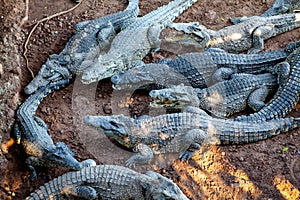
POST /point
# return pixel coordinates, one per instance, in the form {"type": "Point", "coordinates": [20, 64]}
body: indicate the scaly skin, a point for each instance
{"type": "Point", "coordinates": [277, 8]}
{"type": "Point", "coordinates": [281, 7]}
{"type": "Point", "coordinates": [108, 182]}
{"type": "Point", "coordinates": [31, 133]}
{"type": "Point", "coordinates": [198, 69]}
{"type": "Point", "coordinates": [287, 95]}
{"type": "Point", "coordinates": [91, 38]}
{"type": "Point", "coordinates": [221, 99]}
{"type": "Point", "coordinates": [182, 132]}
{"type": "Point", "coordinates": [135, 41]}
{"type": "Point", "coordinates": [246, 35]}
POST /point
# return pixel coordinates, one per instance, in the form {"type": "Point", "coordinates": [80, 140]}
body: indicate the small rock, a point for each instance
{"type": "Point", "coordinates": [107, 109]}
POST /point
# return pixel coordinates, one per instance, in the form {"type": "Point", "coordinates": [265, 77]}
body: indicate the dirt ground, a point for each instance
{"type": "Point", "coordinates": [268, 169]}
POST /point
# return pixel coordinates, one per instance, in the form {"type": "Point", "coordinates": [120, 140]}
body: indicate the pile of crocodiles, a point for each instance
{"type": "Point", "coordinates": [207, 86]}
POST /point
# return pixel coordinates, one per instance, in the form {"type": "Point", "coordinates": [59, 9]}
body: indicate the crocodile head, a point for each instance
{"type": "Point", "coordinates": [281, 7]}
{"type": "Point", "coordinates": [117, 127]}
{"type": "Point", "coordinates": [103, 68]}
{"type": "Point", "coordinates": [62, 156]}
{"type": "Point", "coordinates": [174, 97]}
{"type": "Point", "coordinates": [51, 71]}
{"type": "Point", "coordinates": [133, 78]}
{"type": "Point", "coordinates": [148, 74]}
{"type": "Point", "coordinates": [160, 187]}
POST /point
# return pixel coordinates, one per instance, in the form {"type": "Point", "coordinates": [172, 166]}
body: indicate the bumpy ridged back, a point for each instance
{"type": "Point", "coordinates": [109, 181]}
{"type": "Point", "coordinates": [285, 99]}
{"type": "Point", "coordinates": [33, 101]}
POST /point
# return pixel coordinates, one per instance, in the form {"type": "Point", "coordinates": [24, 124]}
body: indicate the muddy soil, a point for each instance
{"type": "Point", "coordinates": [268, 169]}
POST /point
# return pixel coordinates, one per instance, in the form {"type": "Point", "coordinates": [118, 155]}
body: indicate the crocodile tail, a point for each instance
{"type": "Point", "coordinates": [32, 102]}
{"type": "Point", "coordinates": [286, 22]}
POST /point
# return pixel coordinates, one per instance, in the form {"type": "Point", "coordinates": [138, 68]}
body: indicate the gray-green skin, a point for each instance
{"type": "Point", "coordinates": [182, 132]}
{"type": "Point", "coordinates": [248, 35]}
{"type": "Point", "coordinates": [287, 96]}
{"type": "Point", "coordinates": [221, 99]}
{"type": "Point", "coordinates": [277, 8]}
{"type": "Point", "coordinates": [108, 182]}
{"type": "Point", "coordinates": [92, 37]}
{"type": "Point", "coordinates": [31, 133]}
{"type": "Point", "coordinates": [135, 42]}
{"type": "Point", "coordinates": [281, 7]}
{"type": "Point", "coordinates": [199, 70]}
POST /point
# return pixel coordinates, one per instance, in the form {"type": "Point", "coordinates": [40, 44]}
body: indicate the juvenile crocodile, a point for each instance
{"type": "Point", "coordinates": [287, 95]}
{"type": "Point", "coordinates": [182, 132]}
{"type": "Point", "coordinates": [199, 69]}
{"type": "Point", "coordinates": [277, 8]}
{"type": "Point", "coordinates": [91, 38]}
{"type": "Point", "coordinates": [135, 41]}
{"type": "Point", "coordinates": [108, 182]}
{"type": "Point", "coordinates": [31, 132]}
{"type": "Point", "coordinates": [221, 99]}
{"type": "Point", "coordinates": [246, 35]}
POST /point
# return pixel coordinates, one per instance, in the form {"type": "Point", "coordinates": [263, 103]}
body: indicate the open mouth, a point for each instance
{"type": "Point", "coordinates": [163, 102]}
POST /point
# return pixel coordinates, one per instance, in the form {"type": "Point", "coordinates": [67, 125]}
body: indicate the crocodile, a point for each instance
{"type": "Point", "coordinates": [108, 182]}
{"type": "Point", "coordinates": [248, 35]}
{"type": "Point", "coordinates": [287, 96]}
{"type": "Point", "coordinates": [200, 69]}
{"type": "Point", "coordinates": [182, 133]}
{"type": "Point", "coordinates": [281, 7]}
{"type": "Point", "coordinates": [135, 42]}
{"type": "Point", "coordinates": [277, 8]}
{"type": "Point", "coordinates": [221, 99]}
{"type": "Point", "coordinates": [91, 38]}
{"type": "Point", "coordinates": [30, 132]}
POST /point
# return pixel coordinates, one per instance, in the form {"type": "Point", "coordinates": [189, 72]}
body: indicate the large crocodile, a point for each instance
{"type": "Point", "coordinates": [246, 35]}
{"type": "Point", "coordinates": [199, 69]}
{"type": "Point", "coordinates": [135, 41]}
{"type": "Point", "coordinates": [287, 95]}
{"type": "Point", "coordinates": [31, 132]}
{"type": "Point", "coordinates": [221, 99]}
{"type": "Point", "coordinates": [91, 38]}
{"type": "Point", "coordinates": [182, 132]}
{"type": "Point", "coordinates": [108, 182]}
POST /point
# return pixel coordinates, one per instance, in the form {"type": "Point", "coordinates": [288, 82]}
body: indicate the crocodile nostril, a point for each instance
{"type": "Point", "coordinates": [116, 78]}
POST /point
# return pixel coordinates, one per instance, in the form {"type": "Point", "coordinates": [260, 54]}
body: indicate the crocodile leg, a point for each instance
{"type": "Point", "coordinates": [193, 137]}
{"type": "Point", "coordinates": [258, 37]}
{"type": "Point", "coordinates": [30, 162]}
{"type": "Point", "coordinates": [144, 155]}
{"type": "Point", "coordinates": [153, 36]}
{"type": "Point", "coordinates": [40, 122]}
{"type": "Point", "coordinates": [107, 31]}
{"type": "Point", "coordinates": [257, 97]}
{"type": "Point", "coordinates": [282, 70]}
{"type": "Point", "coordinates": [81, 192]}
{"type": "Point", "coordinates": [222, 74]}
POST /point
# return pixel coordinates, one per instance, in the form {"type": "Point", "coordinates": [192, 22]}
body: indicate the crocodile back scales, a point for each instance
{"type": "Point", "coordinates": [227, 131]}
{"type": "Point", "coordinates": [286, 97]}
{"type": "Point", "coordinates": [110, 182]}
{"type": "Point", "coordinates": [199, 67]}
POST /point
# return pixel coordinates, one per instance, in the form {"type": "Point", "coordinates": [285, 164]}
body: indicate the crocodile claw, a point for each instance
{"type": "Point", "coordinates": [130, 163]}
